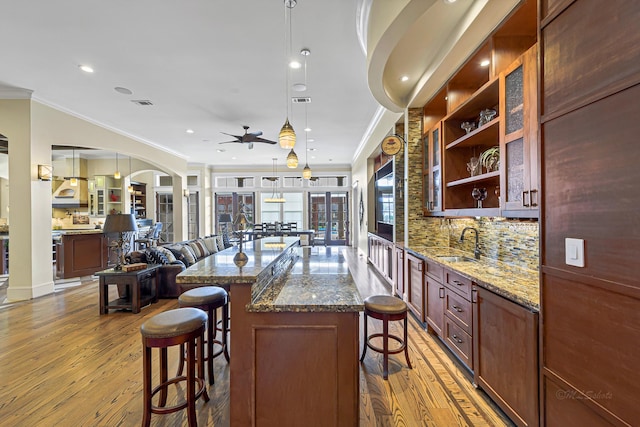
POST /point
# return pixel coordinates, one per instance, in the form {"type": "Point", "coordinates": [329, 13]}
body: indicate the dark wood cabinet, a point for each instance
{"type": "Point", "coordinates": [80, 255]}
{"type": "Point", "coordinates": [458, 317]}
{"type": "Point", "coordinates": [398, 272]}
{"type": "Point", "coordinates": [506, 355]}
{"type": "Point", "coordinates": [415, 286]}
{"type": "Point", "coordinates": [434, 295]}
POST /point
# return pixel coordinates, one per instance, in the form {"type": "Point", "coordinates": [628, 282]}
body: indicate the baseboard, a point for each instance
{"type": "Point", "coordinates": [22, 293]}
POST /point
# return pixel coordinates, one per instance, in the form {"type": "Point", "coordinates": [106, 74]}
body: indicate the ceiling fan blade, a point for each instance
{"type": "Point", "coordinates": [230, 142]}
{"type": "Point", "coordinates": [266, 141]}
{"type": "Point", "coordinates": [239, 137]}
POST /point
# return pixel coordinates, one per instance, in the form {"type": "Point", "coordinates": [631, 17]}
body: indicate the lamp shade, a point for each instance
{"type": "Point", "coordinates": [287, 136]}
{"type": "Point", "coordinates": [292, 160]}
{"type": "Point", "coordinates": [119, 223]}
{"type": "Point", "coordinates": [225, 217]}
{"type": "Point", "coordinates": [306, 172]}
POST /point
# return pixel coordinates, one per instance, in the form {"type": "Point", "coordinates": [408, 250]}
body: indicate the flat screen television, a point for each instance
{"type": "Point", "coordinates": [385, 201]}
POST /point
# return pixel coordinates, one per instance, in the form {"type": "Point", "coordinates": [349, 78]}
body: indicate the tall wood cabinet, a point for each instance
{"type": "Point", "coordinates": [139, 200]}
{"type": "Point", "coordinates": [590, 316]}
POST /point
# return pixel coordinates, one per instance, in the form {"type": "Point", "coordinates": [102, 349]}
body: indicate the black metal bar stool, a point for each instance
{"type": "Point", "coordinates": [174, 327]}
{"type": "Point", "coordinates": [209, 299]}
{"type": "Point", "coordinates": [387, 309]}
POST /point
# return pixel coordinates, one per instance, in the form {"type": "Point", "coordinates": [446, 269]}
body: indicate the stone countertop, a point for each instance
{"type": "Point", "coordinates": [517, 284]}
{"type": "Point", "coordinates": [70, 232]}
{"type": "Point", "coordinates": [219, 268]}
{"type": "Point", "coordinates": [319, 281]}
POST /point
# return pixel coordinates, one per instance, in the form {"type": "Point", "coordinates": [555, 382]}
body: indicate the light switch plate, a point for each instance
{"type": "Point", "coordinates": [574, 252]}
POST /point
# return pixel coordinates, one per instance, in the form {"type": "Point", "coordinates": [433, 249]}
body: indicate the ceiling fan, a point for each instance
{"type": "Point", "coordinates": [248, 138]}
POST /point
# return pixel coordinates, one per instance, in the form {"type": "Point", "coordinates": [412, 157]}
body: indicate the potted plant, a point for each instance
{"type": "Point", "coordinates": [490, 159]}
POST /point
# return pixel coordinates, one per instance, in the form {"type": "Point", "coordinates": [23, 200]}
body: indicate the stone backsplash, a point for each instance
{"type": "Point", "coordinates": [511, 241]}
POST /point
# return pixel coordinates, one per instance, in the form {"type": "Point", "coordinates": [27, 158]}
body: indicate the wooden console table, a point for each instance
{"type": "Point", "coordinates": [135, 288]}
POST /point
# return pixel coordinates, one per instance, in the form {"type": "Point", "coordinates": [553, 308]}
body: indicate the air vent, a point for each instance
{"type": "Point", "coordinates": [142, 101]}
{"type": "Point", "coordinates": [301, 100]}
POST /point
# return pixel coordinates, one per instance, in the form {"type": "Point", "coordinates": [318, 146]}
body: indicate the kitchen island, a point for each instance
{"type": "Point", "coordinates": [80, 252]}
{"type": "Point", "coordinates": [294, 345]}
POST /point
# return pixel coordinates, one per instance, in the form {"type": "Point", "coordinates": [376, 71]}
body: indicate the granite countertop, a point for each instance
{"type": "Point", "coordinates": [69, 232]}
{"type": "Point", "coordinates": [517, 284]}
{"type": "Point", "coordinates": [319, 281]}
{"type": "Point", "coordinates": [219, 268]}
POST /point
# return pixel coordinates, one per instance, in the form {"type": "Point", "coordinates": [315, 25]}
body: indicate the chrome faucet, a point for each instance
{"type": "Point", "coordinates": [476, 251]}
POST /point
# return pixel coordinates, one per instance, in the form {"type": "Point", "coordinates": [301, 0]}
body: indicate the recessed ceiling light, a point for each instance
{"type": "Point", "coordinates": [485, 63]}
{"type": "Point", "coordinates": [305, 51]}
{"type": "Point", "coordinates": [221, 150]}
{"type": "Point", "coordinates": [233, 158]}
{"type": "Point", "coordinates": [311, 149]}
{"type": "Point", "coordinates": [295, 64]}
{"type": "Point", "coordinates": [404, 78]}
{"type": "Point", "coordinates": [449, 1]}
{"type": "Point", "coordinates": [310, 140]}
{"type": "Point", "coordinates": [307, 129]}
{"type": "Point", "coordinates": [189, 130]}
{"type": "Point", "coordinates": [123, 90]}
{"type": "Point", "coordinates": [299, 87]}
{"type": "Point", "coordinates": [86, 68]}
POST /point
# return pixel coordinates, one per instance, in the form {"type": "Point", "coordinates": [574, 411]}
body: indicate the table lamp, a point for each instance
{"type": "Point", "coordinates": [123, 225]}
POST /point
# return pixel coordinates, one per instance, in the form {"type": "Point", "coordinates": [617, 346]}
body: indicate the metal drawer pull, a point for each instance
{"type": "Point", "coordinates": [457, 283]}
{"type": "Point", "coordinates": [455, 337]}
{"type": "Point", "coordinates": [525, 194]}
{"type": "Point", "coordinates": [458, 309]}
{"type": "Point", "coordinates": [441, 292]}
{"type": "Point", "coordinates": [531, 202]}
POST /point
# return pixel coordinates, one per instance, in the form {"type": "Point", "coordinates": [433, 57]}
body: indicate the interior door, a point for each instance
{"type": "Point", "coordinates": [329, 216]}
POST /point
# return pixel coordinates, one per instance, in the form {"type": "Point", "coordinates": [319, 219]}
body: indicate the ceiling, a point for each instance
{"type": "Point", "coordinates": [207, 65]}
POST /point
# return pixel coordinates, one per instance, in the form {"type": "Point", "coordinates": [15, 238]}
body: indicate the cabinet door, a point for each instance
{"type": "Point", "coordinates": [398, 276]}
{"type": "Point", "coordinates": [434, 304]}
{"type": "Point", "coordinates": [506, 355]}
{"type": "Point", "coordinates": [432, 170]}
{"type": "Point", "coordinates": [415, 286]}
{"type": "Point", "coordinates": [521, 136]}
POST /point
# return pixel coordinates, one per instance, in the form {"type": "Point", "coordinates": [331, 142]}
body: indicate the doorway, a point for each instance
{"type": "Point", "coordinates": [329, 216]}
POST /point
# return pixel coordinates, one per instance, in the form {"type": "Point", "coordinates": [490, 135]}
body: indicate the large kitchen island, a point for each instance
{"type": "Point", "coordinates": [294, 340]}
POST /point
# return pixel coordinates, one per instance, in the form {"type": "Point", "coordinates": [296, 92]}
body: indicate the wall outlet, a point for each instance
{"type": "Point", "coordinates": [574, 252]}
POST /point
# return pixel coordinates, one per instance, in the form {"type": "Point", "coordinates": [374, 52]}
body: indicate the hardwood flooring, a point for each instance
{"type": "Point", "coordinates": [63, 364]}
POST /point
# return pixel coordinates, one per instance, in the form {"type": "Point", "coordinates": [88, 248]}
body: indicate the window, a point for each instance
{"type": "Point", "coordinates": [289, 211]}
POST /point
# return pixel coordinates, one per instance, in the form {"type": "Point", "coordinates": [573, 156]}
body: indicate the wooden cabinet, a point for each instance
{"type": "Point", "coordinates": [106, 196]}
{"type": "Point", "coordinates": [81, 255]}
{"type": "Point", "coordinates": [432, 170]}
{"type": "Point", "coordinates": [434, 294]}
{"type": "Point", "coordinates": [381, 254]}
{"type": "Point", "coordinates": [398, 272]}
{"type": "Point", "coordinates": [458, 318]}
{"type": "Point", "coordinates": [139, 200]}
{"type": "Point", "coordinates": [506, 355]}
{"type": "Point", "coordinates": [415, 286]}
{"type": "Point", "coordinates": [520, 137]}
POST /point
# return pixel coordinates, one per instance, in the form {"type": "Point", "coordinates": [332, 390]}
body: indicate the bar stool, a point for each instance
{"type": "Point", "coordinates": [209, 299]}
{"type": "Point", "coordinates": [387, 309]}
{"type": "Point", "coordinates": [174, 327]}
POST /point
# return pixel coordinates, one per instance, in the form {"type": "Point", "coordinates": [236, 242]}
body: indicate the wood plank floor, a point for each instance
{"type": "Point", "coordinates": [63, 364]}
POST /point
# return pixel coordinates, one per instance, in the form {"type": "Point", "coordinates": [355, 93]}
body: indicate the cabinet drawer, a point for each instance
{"type": "Point", "coordinates": [458, 309]}
{"type": "Point", "coordinates": [458, 284]}
{"type": "Point", "coordinates": [459, 342]}
{"type": "Point", "coordinates": [433, 270]}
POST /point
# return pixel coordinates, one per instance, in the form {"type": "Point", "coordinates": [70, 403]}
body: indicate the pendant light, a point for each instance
{"type": "Point", "coordinates": [130, 187]}
{"type": "Point", "coordinates": [306, 172]}
{"type": "Point", "coordinates": [292, 160]}
{"type": "Point", "coordinates": [116, 174]}
{"type": "Point", "coordinates": [274, 197]}
{"type": "Point", "coordinates": [74, 180]}
{"type": "Point", "coordinates": [287, 136]}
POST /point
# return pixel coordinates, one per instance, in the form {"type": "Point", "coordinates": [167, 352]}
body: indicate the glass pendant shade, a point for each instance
{"type": "Point", "coordinates": [130, 188]}
{"type": "Point", "coordinates": [306, 172]}
{"type": "Point", "coordinates": [116, 174]}
{"type": "Point", "coordinates": [73, 181]}
{"type": "Point", "coordinates": [287, 137]}
{"type": "Point", "coordinates": [292, 159]}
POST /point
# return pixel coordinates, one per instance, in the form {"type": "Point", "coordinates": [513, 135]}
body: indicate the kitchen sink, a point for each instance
{"type": "Point", "coordinates": [457, 259]}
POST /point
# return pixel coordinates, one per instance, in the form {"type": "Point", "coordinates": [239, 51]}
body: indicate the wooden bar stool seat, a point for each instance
{"type": "Point", "coordinates": [209, 299]}
{"type": "Point", "coordinates": [174, 327]}
{"type": "Point", "coordinates": [387, 309]}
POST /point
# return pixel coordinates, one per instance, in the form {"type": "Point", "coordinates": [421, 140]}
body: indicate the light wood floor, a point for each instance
{"type": "Point", "coordinates": [62, 364]}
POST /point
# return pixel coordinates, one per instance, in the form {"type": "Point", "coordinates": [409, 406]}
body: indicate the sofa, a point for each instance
{"type": "Point", "coordinates": [176, 257]}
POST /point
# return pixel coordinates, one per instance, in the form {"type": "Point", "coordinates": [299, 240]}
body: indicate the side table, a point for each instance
{"type": "Point", "coordinates": [136, 288]}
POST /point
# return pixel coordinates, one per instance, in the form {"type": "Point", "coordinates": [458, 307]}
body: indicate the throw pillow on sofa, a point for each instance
{"type": "Point", "coordinates": [197, 252]}
{"type": "Point", "coordinates": [170, 256]}
{"type": "Point", "coordinates": [211, 244]}
{"type": "Point", "coordinates": [220, 243]}
{"type": "Point", "coordinates": [202, 246]}
{"type": "Point", "coordinates": [225, 240]}
{"type": "Point", "coordinates": [189, 256]}
{"type": "Point", "coordinates": [154, 256]}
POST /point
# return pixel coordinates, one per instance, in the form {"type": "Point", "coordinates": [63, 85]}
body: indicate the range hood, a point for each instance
{"type": "Point", "coordinates": [68, 196]}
